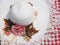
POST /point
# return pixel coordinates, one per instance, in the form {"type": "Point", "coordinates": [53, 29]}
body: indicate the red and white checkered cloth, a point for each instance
{"type": "Point", "coordinates": [53, 35]}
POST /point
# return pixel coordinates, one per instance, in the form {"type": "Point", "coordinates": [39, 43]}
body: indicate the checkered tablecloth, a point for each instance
{"type": "Point", "coordinates": [53, 35]}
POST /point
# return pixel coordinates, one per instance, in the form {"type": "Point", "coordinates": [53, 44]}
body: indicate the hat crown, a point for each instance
{"type": "Point", "coordinates": [22, 13]}
{"type": "Point", "coordinates": [22, 10]}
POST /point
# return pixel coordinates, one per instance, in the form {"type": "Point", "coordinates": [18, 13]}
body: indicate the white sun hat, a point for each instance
{"type": "Point", "coordinates": [22, 13]}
